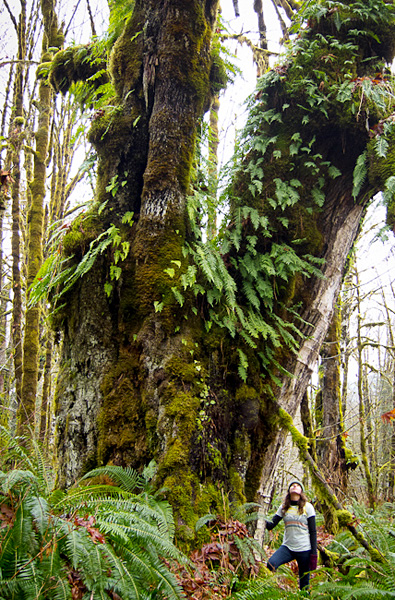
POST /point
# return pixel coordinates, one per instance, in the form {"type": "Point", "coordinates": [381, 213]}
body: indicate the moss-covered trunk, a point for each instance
{"type": "Point", "coordinates": [52, 38]}
{"type": "Point", "coordinates": [124, 393]}
{"type": "Point", "coordinates": [365, 454]}
{"type": "Point", "coordinates": [331, 445]}
{"type": "Point", "coordinates": [192, 376]}
{"type": "Point", "coordinates": [16, 141]}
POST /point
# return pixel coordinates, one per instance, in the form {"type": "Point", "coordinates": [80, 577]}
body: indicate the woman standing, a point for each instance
{"type": "Point", "coordinates": [300, 534]}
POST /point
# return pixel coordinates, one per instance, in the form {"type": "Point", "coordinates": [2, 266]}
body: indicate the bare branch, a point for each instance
{"type": "Point", "coordinates": [13, 19]}
{"type": "Point", "coordinates": [91, 18]}
{"type": "Point", "coordinates": [17, 61]}
{"type": "Point", "coordinates": [284, 28]}
{"type": "Point", "coordinates": [259, 55]}
{"type": "Point", "coordinates": [236, 8]}
{"type": "Point", "coordinates": [261, 25]}
{"type": "Point", "coordinates": [290, 8]}
{"type": "Point", "coordinates": [71, 18]}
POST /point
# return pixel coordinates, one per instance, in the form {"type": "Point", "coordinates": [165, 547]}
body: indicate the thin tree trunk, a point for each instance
{"type": "Point", "coordinates": [261, 25]}
{"type": "Point", "coordinates": [390, 492]}
{"type": "Point", "coordinates": [213, 167]}
{"type": "Point", "coordinates": [45, 411]}
{"type": "Point", "coordinates": [330, 446]}
{"type": "Point", "coordinates": [16, 138]}
{"type": "Point", "coordinates": [361, 400]}
{"type": "Point", "coordinates": [52, 38]}
{"type": "Point", "coordinates": [293, 389]}
{"type": "Point", "coordinates": [391, 471]}
{"type": "Point", "coordinates": [307, 422]}
{"type": "Point", "coordinates": [346, 518]}
{"type": "Point", "coordinates": [346, 350]}
{"type": "Point", "coordinates": [4, 198]}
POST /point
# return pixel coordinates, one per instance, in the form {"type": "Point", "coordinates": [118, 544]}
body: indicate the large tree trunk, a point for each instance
{"type": "Point", "coordinates": [111, 410]}
{"type": "Point", "coordinates": [144, 376]}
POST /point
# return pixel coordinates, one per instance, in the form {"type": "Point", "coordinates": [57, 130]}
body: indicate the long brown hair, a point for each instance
{"type": "Point", "coordinates": [301, 503]}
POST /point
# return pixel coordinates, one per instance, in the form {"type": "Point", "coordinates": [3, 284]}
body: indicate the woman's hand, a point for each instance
{"type": "Point", "coordinates": [313, 562]}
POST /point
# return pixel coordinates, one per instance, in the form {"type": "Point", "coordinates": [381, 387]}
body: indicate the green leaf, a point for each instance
{"type": "Point", "coordinates": [381, 146]}
{"type": "Point", "coordinates": [115, 272]}
{"type": "Point", "coordinates": [243, 365]}
{"type": "Point", "coordinates": [318, 196]}
{"type": "Point", "coordinates": [178, 296]}
{"type": "Point", "coordinates": [127, 218]}
{"type": "Point", "coordinates": [158, 306]}
{"type": "Point", "coordinates": [360, 174]}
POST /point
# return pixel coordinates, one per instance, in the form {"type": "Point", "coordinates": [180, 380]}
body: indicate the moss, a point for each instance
{"type": "Point", "coordinates": [180, 488]}
{"type": "Point", "coordinates": [237, 486]}
{"type": "Point", "coordinates": [329, 558]}
{"type": "Point", "coordinates": [215, 458]}
{"type": "Point", "coordinates": [84, 229]}
{"type": "Point", "coordinates": [376, 555]}
{"type": "Point", "coordinates": [177, 455]}
{"type": "Point", "coordinates": [344, 517]}
{"type": "Point", "coordinates": [125, 64]}
{"type": "Point", "coordinates": [191, 500]}
{"type": "Point", "coordinates": [121, 431]}
{"type": "Point", "coordinates": [182, 369]}
{"type": "Point", "coordinates": [298, 438]}
{"type": "Point", "coordinates": [352, 460]}
{"type": "Point", "coordinates": [245, 393]}
{"type": "Point", "coordinates": [77, 63]}
{"type": "Point", "coordinates": [152, 282]}
{"type": "Point", "coordinates": [183, 407]}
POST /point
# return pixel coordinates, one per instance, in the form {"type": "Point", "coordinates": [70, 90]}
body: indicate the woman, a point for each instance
{"type": "Point", "coordinates": [300, 534]}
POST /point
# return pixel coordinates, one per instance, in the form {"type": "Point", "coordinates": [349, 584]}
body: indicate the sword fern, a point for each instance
{"type": "Point", "coordinates": [93, 541]}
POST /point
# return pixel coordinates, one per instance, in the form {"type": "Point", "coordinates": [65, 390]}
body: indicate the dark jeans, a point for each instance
{"type": "Point", "coordinates": [284, 555]}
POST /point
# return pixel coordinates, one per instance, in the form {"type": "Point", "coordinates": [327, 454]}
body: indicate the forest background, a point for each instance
{"type": "Point", "coordinates": [349, 425]}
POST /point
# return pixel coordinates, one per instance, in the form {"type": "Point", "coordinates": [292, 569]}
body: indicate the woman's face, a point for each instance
{"type": "Point", "coordinates": [295, 489]}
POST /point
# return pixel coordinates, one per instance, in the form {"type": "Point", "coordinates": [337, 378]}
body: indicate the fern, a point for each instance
{"type": "Point", "coordinates": [48, 541]}
{"type": "Point", "coordinates": [360, 174]}
{"type": "Point", "coordinates": [128, 479]}
{"type": "Point", "coordinates": [362, 577]}
{"type": "Point", "coordinates": [389, 190]}
{"type": "Point", "coordinates": [243, 365]}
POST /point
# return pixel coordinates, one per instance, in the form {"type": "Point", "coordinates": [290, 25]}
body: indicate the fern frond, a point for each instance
{"type": "Point", "coordinates": [360, 174]}
{"type": "Point", "coordinates": [204, 520]}
{"type": "Point", "coordinates": [39, 509]}
{"type": "Point", "coordinates": [12, 479]}
{"type": "Point", "coordinates": [126, 478]}
{"type": "Point", "coordinates": [389, 190]}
